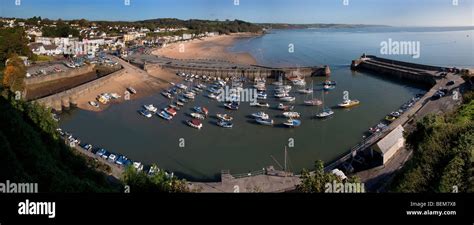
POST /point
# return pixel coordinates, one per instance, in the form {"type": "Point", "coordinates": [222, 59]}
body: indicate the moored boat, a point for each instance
{"type": "Point", "coordinates": [195, 123]}
{"type": "Point", "coordinates": [166, 94]}
{"type": "Point", "coordinates": [291, 114]}
{"type": "Point", "coordinates": [305, 91]}
{"type": "Point", "coordinates": [348, 103]}
{"type": "Point", "coordinates": [328, 87]}
{"type": "Point", "coordinates": [224, 117]}
{"type": "Point", "coordinates": [170, 111]}
{"type": "Point", "coordinates": [283, 107]}
{"type": "Point", "coordinates": [232, 105]}
{"type": "Point", "coordinates": [267, 122]}
{"type": "Point", "coordinates": [150, 108]}
{"type": "Point", "coordinates": [225, 124]}
{"type": "Point", "coordinates": [260, 115]}
{"type": "Point", "coordinates": [288, 99]}
{"type": "Point", "coordinates": [145, 113]}
{"type": "Point", "coordinates": [197, 116]}
{"type": "Point", "coordinates": [313, 102]}
{"type": "Point", "coordinates": [165, 115]}
{"type": "Point", "coordinates": [94, 104]}
{"type": "Point", "coordinates": [327, 112]}
{"type": "Point", "coordinates": [292, 123]}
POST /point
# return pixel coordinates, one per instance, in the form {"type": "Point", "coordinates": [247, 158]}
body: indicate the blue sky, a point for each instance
{"type": "Point", "coordinates": [386, 12]}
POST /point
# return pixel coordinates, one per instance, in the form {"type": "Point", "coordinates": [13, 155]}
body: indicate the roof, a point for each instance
{"type": "Point", "coordinates": [35, 45]}
{"type": "Point", "coordinates": [390, 139]}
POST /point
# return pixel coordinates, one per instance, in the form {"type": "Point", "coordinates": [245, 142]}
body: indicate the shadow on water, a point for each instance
{"type": "Point", "coordinates": [393, 79]}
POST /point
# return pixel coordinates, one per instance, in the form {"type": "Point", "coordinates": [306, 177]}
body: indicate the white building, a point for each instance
{"type": "Point", "coordinates": [390, 144]}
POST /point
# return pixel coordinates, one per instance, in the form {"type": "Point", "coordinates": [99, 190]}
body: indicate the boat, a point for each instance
{"type": "Point", "coordinates": [277, 83]}
{"type": "Point", "coordinates": [390, 118]}
{"type": "Point", "coordinates": [212, 96]}
{"type": "Point", "coordinates": [313, 102]}
{"type": "Point", "coordinates": [232, 105]}
{"type": "Point", "coordinates": [197, 116]}
{"type": "Point", "coordinates": [115, 95]}
{"type": "Point", "coordinates": [291, 114]}
{"type": "Point", "coordinates": [328, 87]}
{"type": "Point", "coordinates": [292, 123]}
{"type": "Point", "coordinates": [95, 104]}
{"type": "Point", "coordinates": [131, 90]}
{"type": "Point", "coordinates": [261, 95]}
{"type": "Point", "coordinates": [325, 113]}
{"type": "Point", "coordinates": [195, 123]}
{"type": "Point", "coordinates": [281, 94]}
{"type": "Point", "coordinates": [348, 103]}
{"type": "Point", "coordinates": [224, 117]}
{"type": "Point", "coordinates": [261, 115]}
{"type": "Point", "coordinates": [305, 91]}
{"type": "Point", "coordinates": [165, 115]}
{"type": "Point", "coordinates": [259, 104]}
{"type": "Point", "coordinates": [180, 103]}
{"type": "Point", "coordinates": [299, 82]}
{"type": "Point", "coordinates": [166, 94]}
{"type": "Point", "coordinates": [170, 111]}
{"type": "Point", "coordinates": [182, 86]}
{"type": "Point", "coordinates": [174, 107]}
{"type": "Point", "coordinates": [189, 95]}
{"type": "Point", "coordinates": [202, 110]}
{"type": "Point", "coordinates": [150, 108]}
{"type": "Point", "coordinates": [283, 107]}
{"type": "Point", "coordinates": [395, 114]}
{"type": "Point", "coordinates": [379, 127]}
{"type": "Point", "coordinates": [225, 124]}
{"type": "Point", "coordinates": [329, 82]}
{"type": "Point", "coordinates": [267, 122]}
{"type": "Point", "coordinates": [288, 99]}
{"type": "Point", "coordinates": [145, 113]}
{"type": "Point", "coordinates": [283, 88]}
{"type": "Point", "coordinates": [182, 99]}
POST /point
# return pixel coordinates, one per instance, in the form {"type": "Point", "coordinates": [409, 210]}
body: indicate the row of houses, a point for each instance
{"type": "Point", "coordinates": [72, 45]}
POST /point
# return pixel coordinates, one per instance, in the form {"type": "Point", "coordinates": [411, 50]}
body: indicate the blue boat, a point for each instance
{"type": "Point", "coordinates": [232, 105]}
{"type": "Point", "coordinates": [165, 115]}
{"type": "Point", "coordinates": [145, 113]}
{"type": "Point", "coordinates": [328, 87]}
{"type": "Point", "coordinates": [292, 123]}
{"type": "Point", "coordinates": [121, 160]}
{"type": "Point", "coordinates": [101, 152]}
{"type": "Point", "coordinates": [224, 124]}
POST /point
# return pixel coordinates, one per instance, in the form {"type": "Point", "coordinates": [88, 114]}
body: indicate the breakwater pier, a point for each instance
{"type": "Point", "coordinates": [222, 68]}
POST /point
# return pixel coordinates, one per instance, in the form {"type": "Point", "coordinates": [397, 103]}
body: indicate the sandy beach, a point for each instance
{"type": "Point", "coordinates": [153, 81]}
{"type": "Point", "coordinates": [208, 48]}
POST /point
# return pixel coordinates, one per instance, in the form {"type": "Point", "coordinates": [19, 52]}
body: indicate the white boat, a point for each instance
{"type": "Point", "coordinates": [180, 103]}
{"type": "Point", "coordinates": [348, 103]}
{"type": "Point", "coordinates": [166, 94]}
{"type": "Point", "coordinates": [197, 116]}
{"type": "Point", "coordinates": [291, 114]}
{"type": "Point", "coordinates": [115, 96]}
{"type": "Point", "coordinates": [224, 117]}
{"type": "Point", "coordinates": [212, 96]}
{"type": "Point", "coordinates": [224, 124]}
{"type": "Point", "coordinates": [325, 113]}
{"type": "Point", "coordinates": [95, 104]}
{"type": "Point", "coordinates": [267, 122]}
{"type": "Point", "coordinates": [182, 86]}
{"type": "Point", "coordinates": [260, 115]}
{"type": "Point", "coordinates": [313, 102]}
{"type": "Point", "coordinates": [281, 94]}
{"type": "Point", "coordinates": [305, 91]}
{"type": "Point", "coordinates": [283, 107]}
{"type": "Point", "coordinates": [150, 108]}
{"type": "Point", "coordinates": [288, 99]}
{"type": "Point", "coordinates": [292, 123]}
{"type": "Point", "coordinates": [145, 113]}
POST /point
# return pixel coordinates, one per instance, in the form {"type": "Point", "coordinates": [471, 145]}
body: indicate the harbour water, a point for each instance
{"type": "Point", "coordinates": [249, 146]}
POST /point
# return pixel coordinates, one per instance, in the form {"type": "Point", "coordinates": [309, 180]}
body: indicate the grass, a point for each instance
{"type": "Point", "coordinates": [44, 58]}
